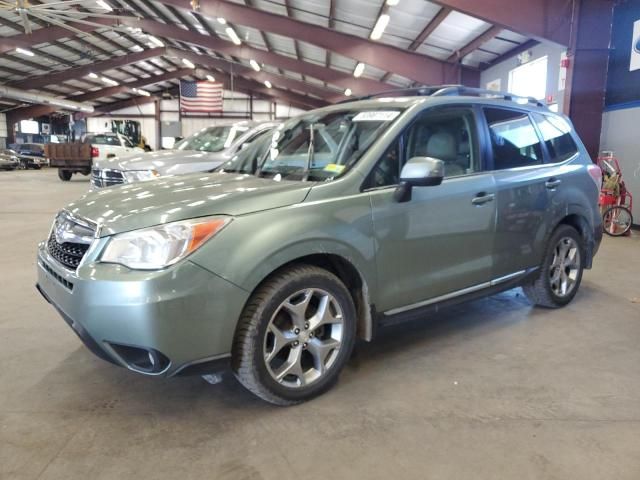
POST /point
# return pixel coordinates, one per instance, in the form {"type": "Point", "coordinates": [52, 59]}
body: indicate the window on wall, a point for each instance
{"type": "Point", "coordinates": [530, 79]}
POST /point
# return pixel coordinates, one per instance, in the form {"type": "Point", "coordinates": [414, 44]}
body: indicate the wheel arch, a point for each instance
{"type": "Point", "coordinates": [578, 220]}
{"type": "Point", "coordinates": [347, 272]}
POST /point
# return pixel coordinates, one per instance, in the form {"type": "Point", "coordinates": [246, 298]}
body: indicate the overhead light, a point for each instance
{"type": "Point", "coordinates": [155, 41]}
{"type": "Point", "coordinates": [254, 65]}
{"type": "Point", "coordinates": [381, 24]}
{"type": "Point", "coordinates": [393, 3]}
{"type": "Point", "coordinates": [104, 5]}
{"type": "Point", "coordinates": [358, 71]}
{"type": "Point", "coordinates": [348, 92]}
{"type": "Point", "coordinates": [92, 75]}
{"type": "Point", "coordinates": [233, 35]}
{"type": "Point", "coordinates": [23, 51]}
{"type": "Point", "coordinates": [188, 63]}
{"type": "Point", "coordinates": [267, 84]}
{"type": "Point", "coordinates": [211, 78]}
{"type": "Point", "coordinates": [109, 81]}
{"type": "Point", "coordinates": [142, 92]}
{"type": "Point", "coordinates": [222, 21]}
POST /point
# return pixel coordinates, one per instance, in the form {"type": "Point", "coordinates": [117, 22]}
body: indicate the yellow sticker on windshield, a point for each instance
{"type": "Point", "coordinates": [334, 168]}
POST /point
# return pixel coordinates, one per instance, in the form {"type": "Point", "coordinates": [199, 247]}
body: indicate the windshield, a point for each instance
{"type": "Point", "coordinates": [213, 139]}
{"type": "Point", "coordinates": [324, 146]}
{"type": "Point", "coordinates": [249, 158]}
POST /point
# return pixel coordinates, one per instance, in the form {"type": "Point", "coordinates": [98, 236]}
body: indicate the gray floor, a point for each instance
{"type": "Point", "coordinates": [491, 390]}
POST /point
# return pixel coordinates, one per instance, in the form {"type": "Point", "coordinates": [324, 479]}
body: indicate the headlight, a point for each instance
{"type": "Point", "coordinates": [140, 175]}
{"type": "Point", "coordinates": [161, 246]}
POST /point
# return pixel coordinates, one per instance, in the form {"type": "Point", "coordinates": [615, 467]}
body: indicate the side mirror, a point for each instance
{"type": "Point", "coordinates": [419, 172]}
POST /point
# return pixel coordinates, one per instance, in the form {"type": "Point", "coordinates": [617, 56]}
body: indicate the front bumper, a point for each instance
{"type": "Point", "coordinates": [35, 161]}
{"type": "Point", "coordinates": [167, 322]}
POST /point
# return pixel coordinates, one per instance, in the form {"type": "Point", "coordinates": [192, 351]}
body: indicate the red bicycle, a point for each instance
{"type": "Point", "coordinates": [616, 202]}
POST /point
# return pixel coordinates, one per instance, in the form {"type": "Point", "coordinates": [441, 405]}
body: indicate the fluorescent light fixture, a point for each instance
{"type": "Point", "coordinates": [233, 35]}
{"type": "Point", "coordinates": [142, 92]}
{"type": "Point", "coordinates": [254, 65]}
{"type": "Point", "coordinates": [104, 5]}
{"type": "Point", "coordinates": [109, 81]}
{"type": "Point", "coordinates": [188, 63]}
{"type": "Point", "coordinates": [348, 92]}
{"type": "Point", "coordinates": [222, 21]}
{"type": "Point", "coordinates": [267, 84]}
{"type": "Point", "coordinates": [26, 52]}
{"type": "Point", "coordinates": [381, 24]}
{"type": "Point", "coordinates": [393, 3]}
{"type": "Point", "coordinates": [211, 78]}
{"type": "Point", "coordinates": [358, 71]}
{"type": "Point", "coordinates": [92, 75]}
{"type": "Point", "coordinates": [155, 41]}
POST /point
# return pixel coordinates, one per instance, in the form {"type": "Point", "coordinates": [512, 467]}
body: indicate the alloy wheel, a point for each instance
{"type": "Point", "coordinates": [303, 338]}
{"type": "Point", "coordinates": [565, 267]}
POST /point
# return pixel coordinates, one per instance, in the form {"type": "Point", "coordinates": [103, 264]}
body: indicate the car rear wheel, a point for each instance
{"type": "Point", "coordinates": [64, 175]}
{"type": "Point", "coordinates": [561, 270]}
{"type": "Point", "coordinates": [295, 335]}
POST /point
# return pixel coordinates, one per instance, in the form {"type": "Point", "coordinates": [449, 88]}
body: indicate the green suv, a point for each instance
{"type": "Point", "coordinates": [348, 218]}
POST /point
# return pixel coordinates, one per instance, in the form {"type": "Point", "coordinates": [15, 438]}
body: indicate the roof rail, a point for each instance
{"type": "Point", "coordinates": [448, 90]}
{"type": "Point", "coordinates": [469, 91]}
{"type": "Point", "coordinates": [424, 91]}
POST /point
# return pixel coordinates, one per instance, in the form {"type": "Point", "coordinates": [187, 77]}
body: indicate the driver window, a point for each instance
{"type": "Point", "coordinates": [448, 136]}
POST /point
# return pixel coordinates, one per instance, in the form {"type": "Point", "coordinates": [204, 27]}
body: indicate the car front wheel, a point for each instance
{"type": "Point", "coordinates": [295, 335]}
{"type": "Point", "coordinates": [561, 270]}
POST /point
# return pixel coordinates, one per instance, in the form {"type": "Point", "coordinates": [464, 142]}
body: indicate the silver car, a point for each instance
{"type": "Point", "coordinates": [201, 152]}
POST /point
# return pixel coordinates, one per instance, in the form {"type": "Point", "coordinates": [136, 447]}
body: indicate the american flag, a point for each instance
{"type": "Point", "coordinates": [200, 96]}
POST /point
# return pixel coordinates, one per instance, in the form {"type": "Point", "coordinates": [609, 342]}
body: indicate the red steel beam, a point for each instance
{"type": "Point", "coordinates": [539, 19]}
{"type": "Point", "coordinates": [38, 110]}
{"type": "Point", "coordinates": [475, 44]}
{"type": "Point", "coordinates": [415, 66]}
{"type": "Point", "coordinates": [47, 35]}
{"type": "Point", "coordinates": [79, 72]}
{"type": "Point", "coordinates": [359, 86]}
{"type": "Point", "coordinates": [248, 72]}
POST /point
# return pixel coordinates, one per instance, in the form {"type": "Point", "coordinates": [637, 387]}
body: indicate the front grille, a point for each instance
{"type": "Point", "coordinates": [68, 254]}
{"type": "Point", "coordinates": [106, 178]}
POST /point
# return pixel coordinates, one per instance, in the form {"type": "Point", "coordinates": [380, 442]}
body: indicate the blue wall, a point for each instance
{"type": "Point", "coordinates": [623, 85]}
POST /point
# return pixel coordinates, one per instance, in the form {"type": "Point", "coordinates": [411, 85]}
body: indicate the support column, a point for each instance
{"type": "Point", "coordinates": [158, 125]}
{"type": "Point", "coordinates": [587, 73]}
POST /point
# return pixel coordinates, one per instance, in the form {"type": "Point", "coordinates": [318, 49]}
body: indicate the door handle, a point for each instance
{"type": "Point", "coordinates": [552, 183]}
{"type": "Point", "coordinates": [483, 198]}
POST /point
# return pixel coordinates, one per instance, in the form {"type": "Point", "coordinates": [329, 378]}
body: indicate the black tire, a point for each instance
{"type": "Point", "coordinates": [609, 220]}
{"type": "Point", "coordinates": [64, 175]}
{"type": "Point", "coordinates": [540, 291]}
{"type": "Point", "coordinates": [248, 352]}
{"type": "Point", "coordinates": [37, 167]}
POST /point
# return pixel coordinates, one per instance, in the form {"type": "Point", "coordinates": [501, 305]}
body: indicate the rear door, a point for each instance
{"type": "Point", "coordinates": [441, 241]}
{"type": "Point", "coordinates": [526, 184]}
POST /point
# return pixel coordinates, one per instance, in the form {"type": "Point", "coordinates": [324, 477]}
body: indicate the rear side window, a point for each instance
{"type": "Point", "coordinates": [514, 139]}
{"type": "Point", "coordinates": [556, 133]}
{"type": "Point", "coordinates": [103, 140]}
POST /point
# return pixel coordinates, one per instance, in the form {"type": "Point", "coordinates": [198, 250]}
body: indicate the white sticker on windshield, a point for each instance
{"type": "Point", "coordinates": [376, 116]}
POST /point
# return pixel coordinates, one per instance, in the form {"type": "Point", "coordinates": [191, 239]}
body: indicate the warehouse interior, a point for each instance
{"type": "Point", "coordinates": [495, 387]}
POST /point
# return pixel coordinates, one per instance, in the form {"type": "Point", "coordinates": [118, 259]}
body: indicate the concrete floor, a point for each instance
{"type": "Point", "coordinates": [490, 390]}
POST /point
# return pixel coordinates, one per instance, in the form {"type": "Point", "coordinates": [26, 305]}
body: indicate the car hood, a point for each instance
{"type": "Point", "coordinates": [166, 162]}
{"type": "Point", "coordinates": [145, 204]}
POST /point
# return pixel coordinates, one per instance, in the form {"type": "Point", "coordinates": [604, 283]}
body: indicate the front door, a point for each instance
{"type": "Point", "coordinates": [441, 241]}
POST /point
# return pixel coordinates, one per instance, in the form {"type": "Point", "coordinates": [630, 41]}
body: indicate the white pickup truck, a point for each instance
{"type": "Point", "coordinates": [78, 157]}
{"type": "Point", "coordinates": [109, 145]}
